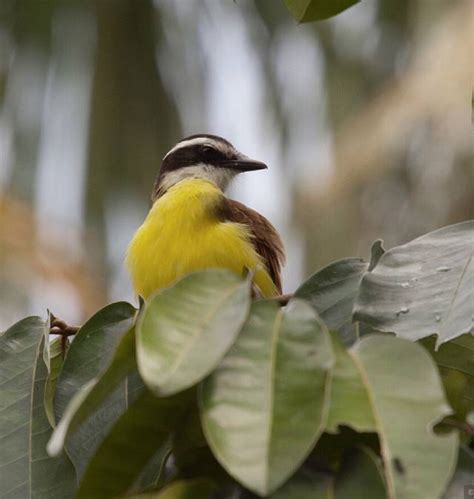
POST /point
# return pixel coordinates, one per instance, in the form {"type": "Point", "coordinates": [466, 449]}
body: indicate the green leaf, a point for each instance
{"type": "Point", "coordinates": [183, 489]}
{"type": "Point", "coordinates": [316, 10]}
{"type": "Point", "coordinates": [155, 474]}
{"type": "Point", "coordinates": [407, 400]}
{"type": "Point", "coordinates": [55, 359]}
{"type": "Point", "coordinates": [130, 444]}
{"type": "Point", "coordinates": [332, 292]}
{"type": "Point", "coordinates": [185, 330]}
{"type": "Point", "coordinates": [264, 407]}
{"type": "Point", "coordinates": [402, 402]}
{"type": "Point", "coordinates": [422, 288]}
{"type": "Point", "coordinates": [89, 355]}
{"type": "Point", "coordinates": [360, 472]}
{"type": "Point", "coordinates": [455, 361]}
{"type": "Point", "coordinates": [87, 400]}
{"type": "Point", "coordinates": [349, 395]}
{"type": "Point", "coordinates": [306, 484]}
{"type": "Point", "coordinates": [25, 469]}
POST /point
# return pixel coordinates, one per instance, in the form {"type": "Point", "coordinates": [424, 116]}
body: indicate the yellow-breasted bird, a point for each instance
{"type": "Point", "coordinates": [193, 226]}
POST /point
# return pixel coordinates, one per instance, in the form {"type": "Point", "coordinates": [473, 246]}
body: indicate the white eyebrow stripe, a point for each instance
{"type": "Point", "coordinates": [192, 142]}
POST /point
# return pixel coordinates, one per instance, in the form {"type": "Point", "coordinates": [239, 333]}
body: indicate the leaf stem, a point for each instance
{"type": "Point", "coordinates": [284, 299]}
{"type": "Point", "coordinates": [61, 328]}
{"type": "Point", "coordinates": [460, 425]}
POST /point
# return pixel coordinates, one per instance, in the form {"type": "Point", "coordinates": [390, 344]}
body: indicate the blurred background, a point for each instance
{"type": "Point", "coordinates": [364, 119]}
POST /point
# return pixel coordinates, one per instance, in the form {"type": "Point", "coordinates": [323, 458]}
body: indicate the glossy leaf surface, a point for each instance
{"type": "Point", "coordinates": [87, 400]}
{"type": "Point", "coordinates": [25, 469]}
{"type": "Point", "coordinates": [424, 287]}
{"type": "Point", "coordinates": [265, 405]}
{"type": "Point", "coordinates": [350, 401]}
{"type": "Point", "coordinates": [184, 331]}
{"type": "Point", "coordinates": [332, 291]}
{"type": "Point", "coordinates": [88, 356]}
{"type": "Point", "coordinates": [55, 359]}
{"type": "Point", "coordinates": [131, 443]}
{"type": "Point", "coordinates": [406, 398]}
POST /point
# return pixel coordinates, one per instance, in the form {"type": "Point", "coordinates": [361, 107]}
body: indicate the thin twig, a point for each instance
{"type": "Point", "coordinates": [61, 328]}
{"type": "Point", "coordinates": [281, 299]}
{"type": "Point", "coordinates": [68, 331]}
{"type": "Point", "coordinates": [64, 345]}
{"type": "Point", "coordinates": [284, 299]}
{"type": "Point", "coordinates": [460, 425]}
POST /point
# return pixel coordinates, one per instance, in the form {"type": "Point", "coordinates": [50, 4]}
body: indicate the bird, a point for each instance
{"type": "Point", "coordinates": [192, 225]}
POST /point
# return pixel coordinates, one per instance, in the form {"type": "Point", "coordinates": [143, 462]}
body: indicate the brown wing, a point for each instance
{"type": "Point", "coordinates": [265, 237]}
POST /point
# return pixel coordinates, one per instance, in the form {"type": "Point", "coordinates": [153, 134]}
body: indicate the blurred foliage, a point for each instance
{"type": "Point", "coordinates": [365, 118]}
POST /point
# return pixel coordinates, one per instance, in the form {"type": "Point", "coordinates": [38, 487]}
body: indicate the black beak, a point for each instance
{"type": "Point", "coordinates": [243, 165]}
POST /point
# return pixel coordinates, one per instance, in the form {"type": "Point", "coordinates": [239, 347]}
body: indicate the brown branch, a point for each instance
{"type": "Point", "coordinates": [280, 299]}
{"type": "Point", "coordinates": [67, 331]}
{"type": "Point", "coordinates": [460, 425]}
{"type": "Point", "coordinates": [61, 328]}
{"type": "Point", "coordinates": [284, 299]}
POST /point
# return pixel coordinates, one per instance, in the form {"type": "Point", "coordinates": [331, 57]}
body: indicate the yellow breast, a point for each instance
{"type": "Point", "coordinates": [183, 234]}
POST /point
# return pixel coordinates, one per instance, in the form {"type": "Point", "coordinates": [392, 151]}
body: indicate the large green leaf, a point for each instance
{"type": "Point", "coordinates": [332, 292]}
{"type": "Point", "coordinates": [315, 10]}
{"type": "Point", "coordinates": [54, 358]}
{"type": "Point", "coordinates": [455, 361]}
{"type": "Point", "coordinates": [130, 444]}
{"type": "Point", "coordinates": [264, 407]}
{"type": "Point", "coordinates": [25, 469]}
{"type": "Point", "coordinates": [306, 484]}
{"type": "Point", "coordinates": [360, 472]}
{"type": "Point", "coordinates": [390, 386]}
{"type": "Point", "coordinates": [406, 399]}
{"type": "Point", "coordinates": [89, 355]}
{"type": "Point", "coordinates": [349, 395]}
{"type": "Point", "coordinates": [359, 477]}
{"type": "Point", "coordinates": [157, 470]}
{"type": "Point", "coordinates": [424, 287]}
{"type": "Point", "coordinates": [185, 330]}
{"type": "Point", "coordinates": [88, 399]}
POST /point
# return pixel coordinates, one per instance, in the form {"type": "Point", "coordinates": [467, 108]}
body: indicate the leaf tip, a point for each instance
{"type": "Point", "coordinates": [376, 252]}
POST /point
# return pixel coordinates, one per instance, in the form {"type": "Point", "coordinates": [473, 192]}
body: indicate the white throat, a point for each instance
{"type": "Point", "coordinates": [219, 176]}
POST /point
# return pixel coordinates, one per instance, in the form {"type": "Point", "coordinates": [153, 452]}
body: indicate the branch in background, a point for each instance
{"type": "Point", "coordinates": [21, 249]}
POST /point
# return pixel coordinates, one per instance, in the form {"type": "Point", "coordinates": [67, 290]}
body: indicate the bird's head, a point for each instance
{"type": "Point", "coordinates": [202, 156]}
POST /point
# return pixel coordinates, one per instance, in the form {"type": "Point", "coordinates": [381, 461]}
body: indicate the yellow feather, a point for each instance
{"type": "Point", "coordinates": [182, 234]}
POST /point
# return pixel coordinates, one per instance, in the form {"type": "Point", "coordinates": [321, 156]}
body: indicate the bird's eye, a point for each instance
{"type": "Point", "coordinates": [207, 150]}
